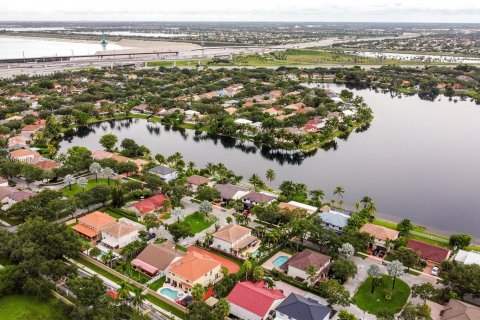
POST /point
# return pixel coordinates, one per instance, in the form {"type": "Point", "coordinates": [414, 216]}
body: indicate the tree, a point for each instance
{"type": "Point", "coordinates": [376, 274]}
{"type": "Point", "coordinates": [255, 180]}
{"type": "Point", "coordinates": [258, 274]}
{"type": "Point", "coordinates": [87, 289]}
{"type": "Point", "coordinates": [415, 312]}
{"type": "Point", "coordinates": [31, 173]}
{"type": "Point", "coordinates": [82, 182]}
{"type": "Point", "coordinates": [151, 221]}
{"type": "Point", "coordinates": [424, 291]}
{"type": "Point", "coordinates": [461, 240]}
{"type": "Point", "coordinates": [395, 269]}
{"type": "Point", "coordinates": [160, 158]}
{"type": "Point", "coordinates": [346, 250]}
{"type": "Point", "coordinates": [311, 271]}
{"type": "Point", "coordinates": [138, 297]}
{"type": "Point", "coordinates": [123, 293]}
{"type": "Point", "coordinates": [247, 266]}
{"type": "Point", "coordinates": [117, 197]}
{"type": "Point", "coordinates": [95, 168]}
{"type": "Point", "coordinates": [270, 175]}
{"type": "Point", "coordinates": [334, 293]}
{"type": "Point", "coordinates": [344, 269]}
{"type": "Point", "coordinates": [199, 310]}
{"type": "Point", "coordinates": [109, 173]}
{"type": "Point", "coordinates": [198, 291]}
{"type": "Point", "coordinates": [345, 315]}
{"type": "Point", "coordinates": [94, 252]}
{"type": "Point", "coordinates": [69, 179]}
{"type": "Point", "coordinates": [406, 256]}
{"type": "Point", "coordinates": [205, 207]}
{"type": "Point", "coordinates": [205, 192]}
{"type": "Point", "coordinates": [78, 159]}
{"type": "Point", "coordinates": [179, 231]}
{"type": "Point", "coordinates": [152, 181]}
{"type": "Point", "coordinates": [404, 227]}
{"type": "Point", "coordinates": [108, 141]}
{"type": "Point", "coordinates": [222, 309]}
{"type": "Point", "coordinates": [462, 278]}
{"type": "Point", "coordinates": [339, 191]}
{"type": "Point", "coordinates": [316, 197]}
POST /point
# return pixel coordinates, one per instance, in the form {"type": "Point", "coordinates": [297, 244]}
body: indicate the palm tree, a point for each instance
{"type": "Point", "coordinates": [123, 292]}
{"type": "Point", "coordinates": [82, 182]}
{"type": "Point", "coordinates": [365, 200]}
{"type": "Point", "coordinates": [138, 297]}
{"type": "Point", "coordinates": [374, 272]}
{"type": "Point", "coordinates": [255, 180]}
{"type": "Point", "coordinates": [69, 179]}
{"type": "Point", "coordinates": [95, 168]}
{"type": "Point", "coordinates": [108, 257]}
{"type": "Point", "coordinates": [247, 266]}
{"type": "Point", "coordinates": [270, 175]}
{"type": "Point", "coordinates": [269, 283]}
{"type": "Point", "coordinates": [311, 272]}
{"type": "Point", "coordinates": [317, 197]}
{"type": "Point", "coordinates": [339, 191]}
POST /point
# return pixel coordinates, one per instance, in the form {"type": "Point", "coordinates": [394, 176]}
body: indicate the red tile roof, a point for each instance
{"type": "Point", "coordinates": [428, 251]}
{"type": "Point", "coordinates": [254, 297]}
{"type": "Point", "coordinates": [47, 164]}
{"type": "Point", "coordinates": [150, 204]}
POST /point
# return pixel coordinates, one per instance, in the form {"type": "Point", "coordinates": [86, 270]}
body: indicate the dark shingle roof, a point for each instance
{"type": "Point", "coordinates": [162, 170]}
{"type": "Point", "coordinates": [301, 308]}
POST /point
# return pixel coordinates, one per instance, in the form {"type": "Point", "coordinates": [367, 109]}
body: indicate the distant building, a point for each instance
{"type": "Point", "coordinates": [91, 225]}
{"type": "Point", "coordinates": [467, 257]}
{"type": "Point", "coordinates": [164, 172]}
{"type": "Point", "coordinates": [334, 220]}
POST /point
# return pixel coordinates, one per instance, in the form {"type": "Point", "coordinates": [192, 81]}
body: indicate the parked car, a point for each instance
{"type": "Point", "coordinates": [151, 236]}
{"type": "Point", "coordinates": [435, 271]}
{"type": "Point", "coordinates": [184, 301]}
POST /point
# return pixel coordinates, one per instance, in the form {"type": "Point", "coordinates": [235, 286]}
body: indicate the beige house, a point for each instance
{"type": "Point", "coordinates": [235, 239]}
{"type": "Point", "coordinates": [119, 235]}
{"type": "Point", "coordinates": [380, 235]}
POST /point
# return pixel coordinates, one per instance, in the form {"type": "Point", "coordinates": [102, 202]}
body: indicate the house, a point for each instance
{"type": "Point", "coordinates": [295, 106]}
{"type": "Point", "coordinates": [119, 235]}
{"type": "Point", "coordinates": [296, 307]}
{"type": "Point", "coordinates": [19, 141]}
{"type": "Point", "coordinates": [380, 235]}
{"type": "Point", "coordinates": [149, 205]}
{"type": "Point", "coordinates": [142, 108]}
{"type": "Point", "coordinates": [297, 266]}
{"type": "Point", "coordinates": [467, 257]}
{"type": "Point", "coordinates": [334, 220]}
{"type": "Point", "coordinates": [31, 129]}
{"type": "Point", "coordinates": [253, 198]}
{"type": "Point", "coordinates": [164, 172]}
{"type": "Point", "coordinates": [5, 192]}
{"type": "Point", "coordinates": [195, 181]}
{"type": "Point", "coordinates": [15, 197]}
{"type": "Point", "coordinates": [230, 110]}
{"type": "Point", "coordinates": [430, 253]}
{"type": "Point", "coordinates": [91, 225]}
{"type": "Point", "coordinates": [242, 121]}
{"type": "Point", "coordinates": [25, 155]}
{"type": "Point", "coordinates": [155, 258]}
{"type": "Point", "coordinates": [274, 112]}
{"type": "Point", "coordinates": [193, 268]}
{"type": "Point", "coordinates": [230, 192]}
{"type": "Point", "coordinates": [47, 164]}
{"type": "Point", "coordinates": [235, 239]}
{"type": "Point", "coordinates": [459, 310]}
{"type": "Point", "coordinates": [253, 301]}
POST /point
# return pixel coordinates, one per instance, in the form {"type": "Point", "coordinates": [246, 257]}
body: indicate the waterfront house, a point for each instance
{"type": "Point", "coordinates": [156, 258]}
{"type": "Point", "coordinates": [235, 239]}
{"type": "Point", "coordinates": [193, 268]}
{"type": "Point", "coordinates": [47, 164]}
{"type": "Point", "coordinates": [297, 266]}
{"type": "Point", "coordinates": [18, 142]}
{"type": "Point", "coordinates": [253, 198]}
{"type": "Point", "coordinates": [459, 310]}
{"type": "Point", "coordinates": [380, 236]}
{"type": "Point", "coordinates": [164, 172]}
{"type": "Point", "coordinates": [467, 257]}
{"type": "Point", "coordinates": [253, 301]}
{"type": "Point", "coordinates": [141, 109]}
{"type": "Point", "coordinates": [432, 254]}
{"type": "Point", "coordinates": [334, 220]}
{"type": "Point", "coordinates": [195, 181]}
{"type": "Point", "coordinates": [119, 234]}
{"type": "Point", "coordinates": [149, 205]}
{"type": "Point", "coordinates": [230, 192]}
{"type": "Point", "coordinates": [25, 155]}
{"type": "Point", "coordinates": [90, 226]}
{"type": "Point", "coordinates": [296, 307]}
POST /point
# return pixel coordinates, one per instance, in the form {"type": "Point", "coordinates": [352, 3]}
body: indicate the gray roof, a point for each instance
{"type": "Point", "coordinates": [335, 218]}
{"type": "Point", "coordinates": [162, 170]}
{"type": "Point", "coordinates": [301, 308]}
{"type": "Point", "coordinates": [227, 191]}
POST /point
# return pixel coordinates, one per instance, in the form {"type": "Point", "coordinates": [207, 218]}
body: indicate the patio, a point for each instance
{"type": "Point", "coordinates": [271, 263]}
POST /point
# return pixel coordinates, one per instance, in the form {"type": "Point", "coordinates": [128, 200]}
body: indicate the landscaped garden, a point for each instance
{"type": "Point", "coordinates": [14, 307]}
{"type": "Point", "coordinates": [383, 298]}
{"type": "Point", "coordinates": [197, 222]}
{"type": "Point", "coordinates": [91, 183]}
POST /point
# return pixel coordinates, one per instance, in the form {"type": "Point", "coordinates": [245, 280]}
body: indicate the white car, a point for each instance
{"type": "Point", "coordinates": [435, 271]}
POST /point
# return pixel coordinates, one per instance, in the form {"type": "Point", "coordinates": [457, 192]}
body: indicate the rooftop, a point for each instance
{"type": "Point", "coordinates": [459, 310]}
{"type": "Point", "coordinates": [162, 170]}
{"type": "Point", "coordinates": [428, 251]}
{"type": "Point", "coordinates": [120, 229]}
{"type": "Point", "coordinates": [231, 233]}
{"type": "Point", "coordinates": [301, 260]}
{"type": "Point", "coordinates": [193, 266]}
{"type": "Point", "coordinates": [379, 232]}
{"type": "Point", "coordinates": [96, 219]}
{"type": "Point", "coordinates": [297, 307]}
{"type": "Point", "coordinates": [254, 297]}
{"type": "Point", "coordinates": [197, 180]}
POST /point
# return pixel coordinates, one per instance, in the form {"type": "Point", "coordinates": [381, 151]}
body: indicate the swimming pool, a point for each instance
{"type": "Point", "coordinates": [279, 261]}
{"type": "Point", "coordinates": [171, 294]}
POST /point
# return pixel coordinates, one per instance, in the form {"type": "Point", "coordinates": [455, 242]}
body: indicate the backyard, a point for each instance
{"type": "Point", "coordinates": [197, 222]}
{"type": "Point", "coordinates": [91, 183]}
{"type": "Point", "coordinates": [376, 302]}
{"type": "Point", "coordinates": [14, 307]}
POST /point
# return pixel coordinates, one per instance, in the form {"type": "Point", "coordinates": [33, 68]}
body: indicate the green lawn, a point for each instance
{"type": "Point", "coordinates": [157, 284]}
{"type": "Point", "coordinates": [91, 183]}
{"type": "Point", "coordinates": [197, 222]}
{"type": "Point", "coordinates": [376, 302]}
{"type": "Point", "coordinates": [15, 307]}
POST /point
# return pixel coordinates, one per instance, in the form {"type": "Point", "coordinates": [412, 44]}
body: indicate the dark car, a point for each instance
{"type": "Point", "coordinates": [381, 254]}
{"type": "Point", "coordinates": [185, 301]}
{"type": "Point", "coordinates": [151, 236]}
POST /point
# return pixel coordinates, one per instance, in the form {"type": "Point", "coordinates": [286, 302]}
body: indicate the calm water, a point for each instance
{"type": "Point", "coordinates": [17, 47]}
{"type": "Point", "coordinates": [418, 159]}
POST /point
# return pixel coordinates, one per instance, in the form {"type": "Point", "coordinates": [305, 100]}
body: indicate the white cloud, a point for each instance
{"type": "Point", "coordinates": [244, 10]}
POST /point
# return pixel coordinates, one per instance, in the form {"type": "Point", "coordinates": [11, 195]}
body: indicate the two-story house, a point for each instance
{"type": "Point", "coordinates": [235, 239]}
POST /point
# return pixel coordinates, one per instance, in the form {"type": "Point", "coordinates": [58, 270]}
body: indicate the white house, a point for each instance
{"type": "Point", "coordinates": [467, 257]}
{"type": "Point", "coordinates": [235, 239]}
{"type": "Point", "coordinates": [119, 235]}
{"type": "Point", "coordinates": [164, 172]}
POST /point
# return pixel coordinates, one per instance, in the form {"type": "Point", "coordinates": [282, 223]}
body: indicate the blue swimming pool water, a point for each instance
{"type": "Point", "coordinates": [279, 261]}
{"type": "Point", "coordinates": [170, 293]}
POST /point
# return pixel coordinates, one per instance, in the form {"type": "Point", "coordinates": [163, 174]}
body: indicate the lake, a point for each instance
{"type": "Point", "coordinates": [18, 47]}
{"type": "Point", "coordinates": [418, 159]}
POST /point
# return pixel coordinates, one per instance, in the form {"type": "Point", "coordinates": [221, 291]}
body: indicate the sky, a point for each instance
{"type": "Point", "coordinates": [467, 11]}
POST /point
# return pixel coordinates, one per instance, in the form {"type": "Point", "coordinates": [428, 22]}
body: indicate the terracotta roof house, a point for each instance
{"type": "Point", "coordinates": [429, 252]}
{"type": "Point", "coordinates": [193, 268]}
{"type": "Point", "coordinates": [298, 264]}
{"type": "Point", "coordinates": [155, 258]}
{"type": "Point", "coordinates": [18, 141]}
{"type": "Point", "coordinates": [101, 154]}
{"type": "Point", "coordinates": [31, 129]}
{"type": "Point", "coordinates": [253, 301]}
{"type": "Point", "coordinates": [47, 164]}
{"type": "Point", "coordinates": [119, 235]}
{"type": "Point", "coordinates": [296, 307]}
{"type": "Point", "coordinates": [90, 225]}
{"type": "Point", "coordinates": [164, 172]}
{"type": "Point", "coordinates": [142, 108]}
{"type": "Point", "coordinates": [25, 155]}
{"type": "Point", "coordinates": [459, 310]}
{"type": "Point", "coordinates": [230, 191]}
{"type": "Point", "coordinates": [195, 181]}
{"type": "Point", "coordinates": [149, 205]}
{"type": "Point", "coordinates": [230, 110]}
{"type": "Point", "coordinates": [379, 234]}
{"type": "Point", "coordinates": [253, 197]}
{"type": "Point", "coordinates": [235, 239]}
